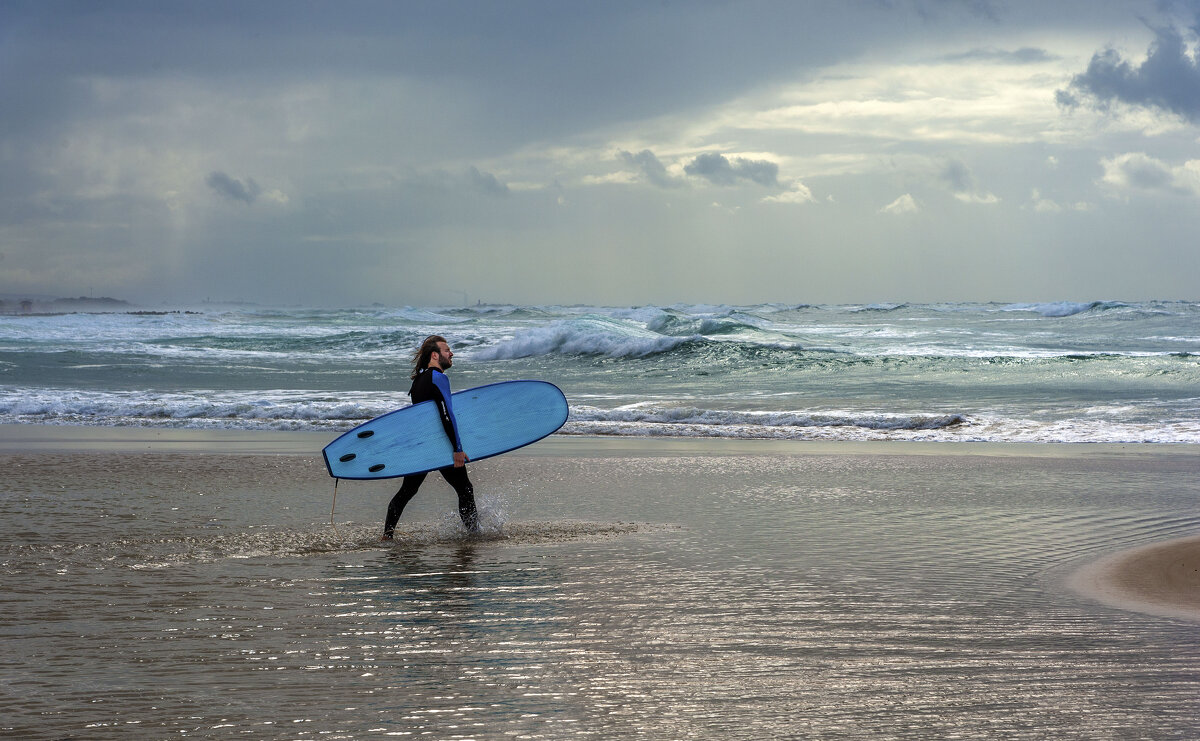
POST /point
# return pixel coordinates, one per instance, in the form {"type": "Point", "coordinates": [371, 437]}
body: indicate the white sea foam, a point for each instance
{"type": "Point", "coordinates": [277, 409]}
{"type": "Point", "coordinates": [292, 410]}
{"type": "Point", "coordinates": [433, 318]}
{"type": "Point", "coordinates": [1067, 308]}
{"type": "Point", "coordinates": [1052, 371]}
{"type": "Point", "coordinates": [682, 415]}
{"type": "Point", "coordinates": [588, 335]}
{"type": "Point", "coordinates": [976, 429]}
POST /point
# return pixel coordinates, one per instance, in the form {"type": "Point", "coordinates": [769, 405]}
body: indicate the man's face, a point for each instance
{"type": "Point", "coordinates": [444, 355]}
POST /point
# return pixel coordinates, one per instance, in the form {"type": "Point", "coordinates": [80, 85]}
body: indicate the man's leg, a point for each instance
{"type": "Point", "coordinates": [457, 477]}
{"type": "Point", "coordinates": [408, 489]}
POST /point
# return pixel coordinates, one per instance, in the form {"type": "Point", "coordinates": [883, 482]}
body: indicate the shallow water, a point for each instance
{"type": "Point", "coordinates": [667, 595]}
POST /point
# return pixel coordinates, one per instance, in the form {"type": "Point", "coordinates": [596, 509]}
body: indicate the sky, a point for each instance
{"type": "Point", "coordinates": [612, 153]}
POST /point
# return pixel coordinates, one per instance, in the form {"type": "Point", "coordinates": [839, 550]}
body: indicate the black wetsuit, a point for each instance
{"type": "Point", "coordinates": [432, 385]}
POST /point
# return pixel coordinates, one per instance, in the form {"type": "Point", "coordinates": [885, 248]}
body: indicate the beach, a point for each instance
{"type": "Point", "coordinates": [1161, 579]}
{"type": "Point", "coordinates": [861, 343]}
{"type": "Point", "coordinates": [202, 583]}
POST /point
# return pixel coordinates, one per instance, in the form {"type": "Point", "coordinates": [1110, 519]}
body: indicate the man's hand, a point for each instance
{"type": "Point", "coordinates": [460, 459]}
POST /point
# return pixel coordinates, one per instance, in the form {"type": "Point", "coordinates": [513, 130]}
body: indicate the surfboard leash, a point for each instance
{"type": "Point", "coordinates": [333, 508]}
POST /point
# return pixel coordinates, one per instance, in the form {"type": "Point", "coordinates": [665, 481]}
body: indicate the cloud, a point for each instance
{"type": "Point", "coordinates": [715, 206]}
{"type": "Point", "coordinates": [959, 178]}
{"type": "Point", "coordinates": [905, 204]}
{"type": "Point", "coordinates": [446, 184]}
{"type": "Point", "coordinates": [233, 189]}
{"type": "Point", "coordinates": [486, 183]}
{"type": "Point", "coordinates": [1169, 79]}
{"type": "Point", "coordinates": [247, 192]}
{"type": "Point", "coordinates": [985, 198]}
{"type": "Point", "coordinates": [798, 193]}
{"type": "Point", "coordinates": [650, 168]}
{"type": "Point", "coordinates": [1138, 172]}
{"type": "Point", "coordinates": [719, 170]}
{"type": "Point", "coordinates": [913, 100]}
{"type": "Point", "coordinates": [371, 116]}
{"type": "Point", "coordinates": [1024, 55]}
{"type": "Point", "coordinates": [1043, 205]}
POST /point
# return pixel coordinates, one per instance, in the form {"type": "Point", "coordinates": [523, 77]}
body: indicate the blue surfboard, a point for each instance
{"type": "Point", "coordinates": [492, 419]}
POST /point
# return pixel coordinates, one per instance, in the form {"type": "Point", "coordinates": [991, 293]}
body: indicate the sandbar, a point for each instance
{"type": "Point", "coordinates": [1158, 579]}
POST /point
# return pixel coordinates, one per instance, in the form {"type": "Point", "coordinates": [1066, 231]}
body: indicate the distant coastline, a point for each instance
{"type": "Point", "coordinates": [17, 304]}
{"type": "Point", "coordinates": [42, 306]}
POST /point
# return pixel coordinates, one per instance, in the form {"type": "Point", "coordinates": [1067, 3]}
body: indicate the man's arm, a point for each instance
{"type": "Point", "coordinates": [449, 423]}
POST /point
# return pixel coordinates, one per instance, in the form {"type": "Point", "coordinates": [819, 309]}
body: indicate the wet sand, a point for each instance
{"type": "Point", "coordinates": [176, 583]}
{"type": "Point", "coordinates": [1159, 579]}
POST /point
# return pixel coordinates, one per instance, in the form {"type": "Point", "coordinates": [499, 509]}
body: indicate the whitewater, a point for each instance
{"type": "Point", "coordinates": [1090, 372]}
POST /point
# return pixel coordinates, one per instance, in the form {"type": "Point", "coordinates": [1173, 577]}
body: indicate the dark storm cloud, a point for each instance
{"type": "Point", "coordinates": [124, 122]}
{"type": "Point", "coordinates": [719, 170]}
{"type": "Point", "coordinates": [1169, 79]}
{"type": "Point", "coordinates": [233, 189]}
{"type": "Point", "coordinates": [650, 167]}
{"type": "Point", "coordinates": [522, 62]}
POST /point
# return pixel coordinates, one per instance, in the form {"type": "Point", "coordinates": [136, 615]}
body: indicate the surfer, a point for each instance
{"type": "Point", "coordinates": [429, 383]}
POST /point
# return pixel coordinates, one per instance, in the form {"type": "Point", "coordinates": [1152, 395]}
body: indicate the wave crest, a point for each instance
{"type": "Point", "coordinates": [587, 335]}
{"type": "Point", "coordinates": [690, 326]}
{"type": "Point", "coordinates": [1056, 309]}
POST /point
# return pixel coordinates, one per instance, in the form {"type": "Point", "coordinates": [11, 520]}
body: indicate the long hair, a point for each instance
{"type": "Point", "coordinates": [422, 355]}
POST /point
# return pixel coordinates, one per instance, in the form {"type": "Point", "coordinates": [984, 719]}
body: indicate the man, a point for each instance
{"type": "Point", "coordinates": [429, 383]}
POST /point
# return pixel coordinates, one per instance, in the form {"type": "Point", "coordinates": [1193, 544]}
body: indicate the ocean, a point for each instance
{"type": "Point", "coordinates": [760, 522]}
{"type": "Point", "coordinates": [1100, 371]}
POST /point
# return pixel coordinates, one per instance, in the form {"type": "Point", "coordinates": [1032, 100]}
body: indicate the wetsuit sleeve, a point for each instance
{"type": "Point", "coordinates": [442, 384]}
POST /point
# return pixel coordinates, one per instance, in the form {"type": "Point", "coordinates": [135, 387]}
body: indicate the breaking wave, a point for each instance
{"type": "Point", "coordinates": [952, 371]}
{"type": "Point", "coordinates": [1057, 309]}
{"type": "Point", "coordinates": [587, 335]}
